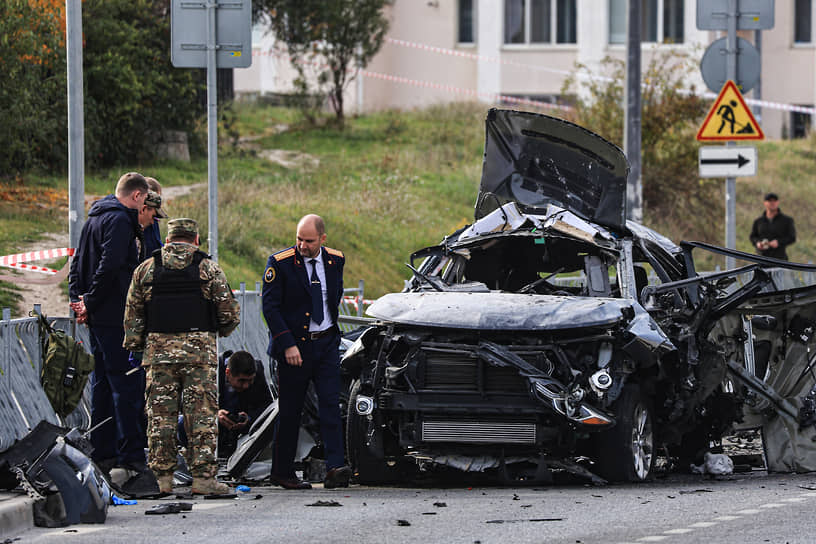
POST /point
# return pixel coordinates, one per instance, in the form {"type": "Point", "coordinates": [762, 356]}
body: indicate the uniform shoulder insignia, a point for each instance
{"type": "Point", "coordinates": [285, 254]}
{"type": "Point", "coordinates": [335, 252]}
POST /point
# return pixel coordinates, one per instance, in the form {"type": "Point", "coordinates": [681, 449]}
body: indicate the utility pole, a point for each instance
{"type": "Point", "coordinates": [631, 117]}
{"type": "Point", "coordinates": [731, 183]}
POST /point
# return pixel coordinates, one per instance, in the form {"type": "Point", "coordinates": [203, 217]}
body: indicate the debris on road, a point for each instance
{"type": "Point", "coordinates": [325, 503]}
{"type": "Point", "coordinates": [169, 508]}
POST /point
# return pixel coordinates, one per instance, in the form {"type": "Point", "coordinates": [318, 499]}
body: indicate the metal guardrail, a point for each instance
{"type": "Point", "coordinates": [23, 403]}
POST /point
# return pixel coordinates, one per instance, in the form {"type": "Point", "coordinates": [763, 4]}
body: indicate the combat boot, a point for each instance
{"type": "Point", "coordinates": [165, 483]}
{"type": "Point", "coordinates": [209, 486]}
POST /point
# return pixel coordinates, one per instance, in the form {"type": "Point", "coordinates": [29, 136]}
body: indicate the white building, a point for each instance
{"type": "Point", "coordinates": [447, 50]}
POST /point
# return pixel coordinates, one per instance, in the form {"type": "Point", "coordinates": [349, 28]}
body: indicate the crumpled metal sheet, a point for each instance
{"type": "Point", "coordinates": [499, 311]}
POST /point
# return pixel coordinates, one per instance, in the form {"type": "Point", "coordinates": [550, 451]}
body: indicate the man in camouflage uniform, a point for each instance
{"type": "Point", "coordinates": [172, 315]}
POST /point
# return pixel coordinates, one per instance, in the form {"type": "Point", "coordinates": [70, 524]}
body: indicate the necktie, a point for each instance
{"type": "Point", "coordinates": [317, 295]}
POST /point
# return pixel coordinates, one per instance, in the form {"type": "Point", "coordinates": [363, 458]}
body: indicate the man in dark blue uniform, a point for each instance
{"type": "Point", "coordinates": [302, 289]}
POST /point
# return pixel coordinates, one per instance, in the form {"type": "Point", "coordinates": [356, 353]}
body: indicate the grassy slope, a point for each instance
{"type": "Point", "coordinates": [389, 184]}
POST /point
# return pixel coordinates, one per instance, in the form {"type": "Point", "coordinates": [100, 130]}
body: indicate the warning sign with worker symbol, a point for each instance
{"type": "Point", "coordinates": [729, 118]}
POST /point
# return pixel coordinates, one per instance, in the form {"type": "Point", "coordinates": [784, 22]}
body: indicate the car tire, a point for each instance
{"type": "Point", "coordinates": [625, 453]}
{"type": "Point", "coordinates": [370, 467]}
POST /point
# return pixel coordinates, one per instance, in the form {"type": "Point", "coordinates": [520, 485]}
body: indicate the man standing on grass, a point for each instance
{"type": "Point", "coordinates": [773, 231]}
{"type": "Point", "coordinates": [98, 282]}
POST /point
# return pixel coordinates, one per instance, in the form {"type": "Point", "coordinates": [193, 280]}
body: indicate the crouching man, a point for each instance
{"type": "Point", "coordinates": [243, 395]}
{"type": "Point", "coordinates": [178, 301]}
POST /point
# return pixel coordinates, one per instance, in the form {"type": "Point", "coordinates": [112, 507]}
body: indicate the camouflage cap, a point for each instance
{"type": "Point", "coordinates": [154, 200]}
{"type": "Point", "coordinates": [183, 226]}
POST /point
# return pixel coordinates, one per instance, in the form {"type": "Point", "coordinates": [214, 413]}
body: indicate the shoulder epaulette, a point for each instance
{"type": "Point", "coordinates": [285, 254]}
{"type": "Point", "coordinates": [335, 252]}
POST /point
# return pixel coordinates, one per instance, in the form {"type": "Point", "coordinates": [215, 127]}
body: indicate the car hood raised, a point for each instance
{"type": "Point", "coordinates": [498, 311]}
{"type": "Point", "coordinates": [536, 160]}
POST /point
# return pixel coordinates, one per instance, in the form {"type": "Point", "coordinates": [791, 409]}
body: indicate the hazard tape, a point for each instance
{"type": "Point", "coordinates": [492, 97]}
{"type": "Point", "coordinates": [18, 260]}
{"type": "Point", "coordinates": [354, 301]}
{"type": "Point", "coordinates": [534, 67]}
{"type": "Point", "coordinates": [483, 58]}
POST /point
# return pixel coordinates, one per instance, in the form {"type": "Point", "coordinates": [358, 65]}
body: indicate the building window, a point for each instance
{"type": "Point", "coordinates": [539, 21]}
{"type": "Point", "coordinates": [669, 27]}
{"type": "Point", "coordinates": [466, 21]}
{"type": "Point", "coordinates": [617, 21]}
{"type": "Point", "coordinates": [803, 22]}
{"type": "Point", "coordinates": [800, 123]}
{"type": "Point", "coordinates": [673, 21]}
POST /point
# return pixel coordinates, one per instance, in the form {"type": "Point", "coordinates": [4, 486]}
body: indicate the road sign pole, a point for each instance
{"type": "Point", "coordinates": [212, 133]}
{"type": "Point", "coordinates": [731, 183]}
{"type": "Point", "coordinates": [76, 121]}
{"type": "Point", "coordinates": [632, 114]}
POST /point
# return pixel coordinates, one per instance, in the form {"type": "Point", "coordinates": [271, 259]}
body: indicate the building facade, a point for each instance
{"type": "Point", "coordinates": [440, 51]}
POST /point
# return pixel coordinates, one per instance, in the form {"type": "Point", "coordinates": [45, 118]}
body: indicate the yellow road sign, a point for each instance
{"type": "Point", "coordinates": [729, 118]}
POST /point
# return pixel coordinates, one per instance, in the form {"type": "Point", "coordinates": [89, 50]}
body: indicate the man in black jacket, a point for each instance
{"type": "Point", "coordinates": [98, 282]}
{"type": "Point", "coordinates": [243, 395]}
{"type": "Point", "coordinates": [773, 231]}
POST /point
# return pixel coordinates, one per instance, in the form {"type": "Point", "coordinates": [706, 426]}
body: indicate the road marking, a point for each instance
{"type": "Point", "coordinates": [715, 521]}
{"type": "Point", "coordinates": [749, 511]}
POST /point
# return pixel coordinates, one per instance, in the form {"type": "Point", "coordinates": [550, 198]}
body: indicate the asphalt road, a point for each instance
{"type": "Point", "coordinates": [743, 508]}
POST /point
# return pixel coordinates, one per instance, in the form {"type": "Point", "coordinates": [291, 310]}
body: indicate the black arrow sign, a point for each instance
{"type": "Point", "coordinates": [740, 161]}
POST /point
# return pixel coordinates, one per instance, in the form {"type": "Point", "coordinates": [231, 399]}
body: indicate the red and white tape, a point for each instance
{"type": "Point", "coordinates": [354, 301]}
{"type": "Point", "coordinates": [18, 260]}
{"type": "Point", "coordinates": [450, 89]}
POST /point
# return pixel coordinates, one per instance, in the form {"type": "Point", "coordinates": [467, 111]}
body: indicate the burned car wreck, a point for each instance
{"type": "Point", "coordinates": [488, 358]}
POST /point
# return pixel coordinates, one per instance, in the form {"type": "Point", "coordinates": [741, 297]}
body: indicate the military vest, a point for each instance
{"type": "Point", "coordinates": [177, 303]}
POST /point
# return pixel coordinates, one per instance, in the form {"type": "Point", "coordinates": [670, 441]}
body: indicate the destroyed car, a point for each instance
{"type": "Point", "coordinates": [489, 359]}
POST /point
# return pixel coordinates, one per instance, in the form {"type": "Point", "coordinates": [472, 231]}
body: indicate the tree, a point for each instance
{"type": "Point", "coordinates": [131, 90]}
{"type": "Point", "coordinates": [337, 37]}
{"type": "Point", "coordinates": [675, 199]}
{"type": "Point", "coordinates": [33, 110]}
{"type": "Point", "coordinates": [133, 93]}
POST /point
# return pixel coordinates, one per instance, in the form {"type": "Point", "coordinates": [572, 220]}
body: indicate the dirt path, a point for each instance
{"type": "Point", "coordinates": [52, 298]}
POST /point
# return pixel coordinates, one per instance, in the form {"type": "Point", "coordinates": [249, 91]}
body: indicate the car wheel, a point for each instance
{"type": "Point", "coordinates": [626, 452]}
{"type": "Point", "coordinates": [367, 460]}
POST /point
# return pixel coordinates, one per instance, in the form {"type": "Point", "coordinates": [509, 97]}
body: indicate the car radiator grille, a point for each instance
{"type": "Point", "coordinates": [450, 371]}
{"type": "Point", "coordinates": [484, 432]}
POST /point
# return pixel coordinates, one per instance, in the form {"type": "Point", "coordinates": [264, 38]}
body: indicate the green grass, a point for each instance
{"type": "Point", "coordinates": [390, 183]}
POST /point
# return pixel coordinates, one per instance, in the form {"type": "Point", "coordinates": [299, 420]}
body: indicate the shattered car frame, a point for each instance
{"type": "Point", "coordinates": [486, 358]}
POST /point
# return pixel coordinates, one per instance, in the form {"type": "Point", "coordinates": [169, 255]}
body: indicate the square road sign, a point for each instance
{"type": "Point", "coordinates": [719, 161]}
{"type": "Point", "coordinates": [751, 14]}
{"type": "Point", "coordinates": [233, 33]}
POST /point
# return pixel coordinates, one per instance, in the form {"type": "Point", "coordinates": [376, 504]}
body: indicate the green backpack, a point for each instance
{"type": "Point", "coordinates": [65, 369]}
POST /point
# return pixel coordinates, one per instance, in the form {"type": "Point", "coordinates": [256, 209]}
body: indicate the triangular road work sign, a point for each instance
{"type": "Point", "coordinates": [729, 118]}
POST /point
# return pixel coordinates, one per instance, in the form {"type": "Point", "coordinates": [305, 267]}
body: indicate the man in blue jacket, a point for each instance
{"type": "Point", "coordinates": [302, 288]}
{"type": "Point", "coordinates": [98, 282]}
